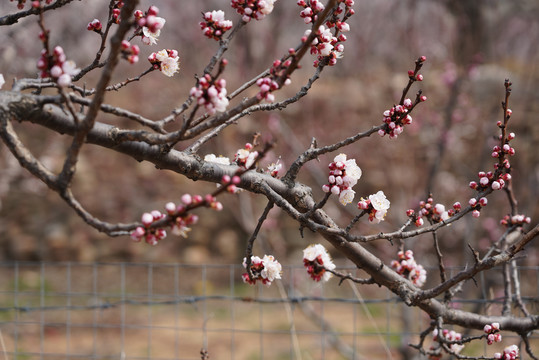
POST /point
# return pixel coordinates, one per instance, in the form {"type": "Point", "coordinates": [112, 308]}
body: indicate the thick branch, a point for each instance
{"type": "Point", "coordinates": [298, 197]}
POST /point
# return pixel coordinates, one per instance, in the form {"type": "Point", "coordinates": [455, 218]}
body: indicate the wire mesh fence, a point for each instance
{"type": "Point", "coordinates": [172, 311]}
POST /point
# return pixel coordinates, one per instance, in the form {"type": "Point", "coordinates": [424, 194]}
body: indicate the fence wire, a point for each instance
{"type": "Point", "coordinates": [172, 311]}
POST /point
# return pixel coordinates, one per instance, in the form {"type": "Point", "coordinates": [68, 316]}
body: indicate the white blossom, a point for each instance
{"type": "Point", "coordinates": [217, 159]}
{"type": "Point", "coordinates": [381, 204]}
{"type": "Point", "coordinates": [272, 268]}
{"type": "Point", "coordinates": [346, 196]}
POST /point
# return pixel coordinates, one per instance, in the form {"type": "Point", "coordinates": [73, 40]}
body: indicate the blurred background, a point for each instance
{"type": "Point", "coordinates": [471, 48]}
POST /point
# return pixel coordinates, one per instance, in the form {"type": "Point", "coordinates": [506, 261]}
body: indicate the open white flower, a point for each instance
{"type": "Point", "coordinates": [168, 61]}
{"type": "Point", "coordinates": [2, 81]}
{"type": "Point", "coordinates": [347, 196]}
{"type": "Point", "coordinates": [267, 7]}
{"type": "Point", "coordinates": [319, 255]}
{"type": "Point", "coordinates": [272, 268]}
{"type": "Point", "coordinates": [381, 204]}
{"type": "Point", "coordinates": [150, 37]}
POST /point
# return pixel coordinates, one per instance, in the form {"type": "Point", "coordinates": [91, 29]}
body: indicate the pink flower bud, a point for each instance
{"type": "Point", "coordinates": [147, 219]}
{"type": "Point", "coordinates": [64, 80]}
{"type": "Point", "coordinates": [423, 98]}
{"type": "Point", "coordinates": [170, 207]}
{"type": "Point", "coordinates": [419, 77]}
{"type": "Point", "coordinates": [496, 185]}
{"type": "Point", "coordinates": [151, 239]}
{"type": "Point", "coordinates": [472, 202]}
{"type": "Point", "coordinates": [217, 206]}
{"type": "Point", "coordinates": [483, 201]}
{"type": "Point", "coordinates": [187, 199]}
{"type": "Point", "coordinates": [363, 205]}
{"type": "Point", "coordinates": [156, 214]}
{"type": "Point", "coordinates": [209, 198]}
{"type": "Point", "coordinates": [476, 213]}
{"type": "Point", "coordinates": [197, 199]}
{"type": "Point", "coordinates": [407, 103]}
{"type": "Point", "coordinates": [511, 136]}
{"type": "Point", "coordinates": [153, 10]}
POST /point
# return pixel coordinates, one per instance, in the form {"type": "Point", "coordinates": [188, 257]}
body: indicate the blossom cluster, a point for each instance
{"type": "Point", "coordinates": [489, 180]}
{"type": "Point", "coordinates": [515, 220]}
{"type": "Point", "coordinates": [223, 160]}
{"type": "Point", "coordinates": [274, 168]}
{"type": "Point", "coordinates": [492, 331]}
{"type": "Point", "coordinates": [166, 60]}
{"type": "Point", "coordinates": [264, 270]}
{"type": "Point", "coordinates": [150, 25]}
{"type": "Point", "coordinates": [395, 119]}
{"type": "Point", "coordinates": [509, 353]}
{"type": "Point", "coordinates": [408, 268]}
{"type": "Point", "coordinates": [343, 175]}
{"type": "Point", "coordinates": [311, 9]}
{"type": "Point", "coordinates": [398, 116]}
{"type": "Point", "coordinates": [246, 157]}
{"type": "Point", "coordinates": [177, 217]}
{"type": "Point", "coordinates": [211, 94]}
{"type": "Point", "coordinates": [214, 24]}
{"type": "Point", "coordinates": [94, 25]}
{"type": "Point", "coordinates": [129, 51]}
{"type": "Point", "coordinates": [35, 3]}
{"type": "Point", "coordinates": [146, 232]}
{"type": "Point", "coordinates": [317, 261]}
{"type": "Point", "coordinates": [252, 9]}
{"type": "Point", "coordinates": [57, 66]}
{"type": "Point", "coordinates": [327, 46]}
{"type": "Point", "coordinates": [376, 206]}
{"type": "Point", "coordinates": [450, 336]}
{"type": "Point", "coordinates": [498, 178]}
{"type": "Point", "coordinates": [435, 213]}
{"type": "Point", "coordinates": [269, 84]}
{"type": "Point", "coordinates": [116, 11]}
{"type": "Point", "coordinates": [477, 205]}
